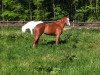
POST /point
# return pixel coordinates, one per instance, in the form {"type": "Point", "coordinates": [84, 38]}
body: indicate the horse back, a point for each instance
{"type": "Point", "coordinates": [39, 28]}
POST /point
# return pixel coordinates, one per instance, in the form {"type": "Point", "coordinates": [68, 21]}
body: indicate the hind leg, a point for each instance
{"type": "Point", "coordinates": [37, 35]}
{"type": "Point", "coordinates": [36, 38]}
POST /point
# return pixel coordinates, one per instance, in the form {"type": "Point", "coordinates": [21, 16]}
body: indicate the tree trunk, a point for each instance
{"type": "Point", "coordinates": [53, 4]}
{"type": "Point", "coordinates": [30, 10]}
{"type": "Point", "coordinates": [2, 11]}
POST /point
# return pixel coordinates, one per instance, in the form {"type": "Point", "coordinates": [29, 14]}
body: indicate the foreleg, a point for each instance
{"type": "Point", "coordinates": [57, 39]}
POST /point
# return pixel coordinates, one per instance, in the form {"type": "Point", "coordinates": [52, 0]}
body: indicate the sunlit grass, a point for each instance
{"type": "Point", "coordinates": [77, 54]}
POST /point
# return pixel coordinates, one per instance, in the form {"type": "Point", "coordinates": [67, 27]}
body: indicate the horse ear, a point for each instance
{"type": "Point", "coordinates": [66, 16]}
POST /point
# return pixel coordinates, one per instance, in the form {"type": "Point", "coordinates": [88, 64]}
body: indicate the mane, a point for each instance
{"type": "Point", "coordinates": [61, 22]}
{"type": "Point", "coordinates": [61, 19]}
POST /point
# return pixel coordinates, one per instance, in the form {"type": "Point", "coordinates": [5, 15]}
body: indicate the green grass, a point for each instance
{"type": "Point", "coordinates": [77, 54]}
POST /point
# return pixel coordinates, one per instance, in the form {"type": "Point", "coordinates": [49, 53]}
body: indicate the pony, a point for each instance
{"type": "Point", "coordinates": [30, 25]}
{"type": "Point", "coordinates": [55, 28]}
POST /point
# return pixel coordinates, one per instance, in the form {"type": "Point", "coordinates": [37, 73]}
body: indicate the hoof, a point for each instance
{"type": "Point", "coordinates": [34, 46]}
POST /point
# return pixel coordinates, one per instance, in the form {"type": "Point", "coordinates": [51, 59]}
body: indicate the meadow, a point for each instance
{"type": "Point", "coordinates": [77, 54]}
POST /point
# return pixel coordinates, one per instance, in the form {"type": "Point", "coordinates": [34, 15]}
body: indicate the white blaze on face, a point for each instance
{"type": "Point", "coordinates": [68, 22]}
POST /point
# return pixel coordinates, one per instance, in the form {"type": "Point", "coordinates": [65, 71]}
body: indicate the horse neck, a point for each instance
{"type": "Point", "coordinates": [61, 23]}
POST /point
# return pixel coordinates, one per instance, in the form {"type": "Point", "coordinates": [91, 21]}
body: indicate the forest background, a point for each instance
{"type": "Point", "coordinates": [50, 10]}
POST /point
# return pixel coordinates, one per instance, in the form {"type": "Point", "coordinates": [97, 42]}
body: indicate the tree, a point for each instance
{"type": "Point", "coordinates": [78, 10]}
{"type": "Point", "coordinates": [38, 12]}
{"type": "Point", "coordinates": [1, 10]}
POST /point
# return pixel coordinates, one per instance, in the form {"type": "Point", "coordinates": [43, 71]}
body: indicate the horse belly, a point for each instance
{"type": "Point", "coordinates": [49, 31]}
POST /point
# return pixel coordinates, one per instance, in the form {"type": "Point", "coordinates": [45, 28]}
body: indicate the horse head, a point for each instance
{"type": "Point", "coordinates": [67, 20]}
{"type": "Point", "coordinates": [63, 21]}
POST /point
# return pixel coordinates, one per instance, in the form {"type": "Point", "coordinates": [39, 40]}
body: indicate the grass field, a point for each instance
{"type": "Point", "coordinates": [77, 54]}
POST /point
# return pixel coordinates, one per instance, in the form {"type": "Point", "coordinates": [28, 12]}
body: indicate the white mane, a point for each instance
{"type": "Point", "coordinates": [30, 25]}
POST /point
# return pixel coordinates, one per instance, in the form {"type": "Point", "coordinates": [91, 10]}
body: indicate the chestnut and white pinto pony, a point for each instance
{"type": "Point", "coordinates": [30, 25]}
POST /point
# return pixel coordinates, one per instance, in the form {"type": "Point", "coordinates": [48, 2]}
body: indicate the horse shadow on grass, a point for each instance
{"type": "Point", "coordinates": [54, 42]}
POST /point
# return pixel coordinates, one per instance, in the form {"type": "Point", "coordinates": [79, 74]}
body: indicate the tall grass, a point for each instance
{"type": "Point", "coordinates": [77, 54]}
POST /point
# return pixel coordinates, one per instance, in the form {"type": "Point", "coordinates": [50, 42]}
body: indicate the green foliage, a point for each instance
{"type": "Point", "coordinates": [36, 14]}
{"type": "Point", "coordinates": [78, 10]}
{"type": "Point", "coordinates": [38, 2]}
{"type": "Point", "coordinates": [77, 54]}
{"type": "Point", "coordinates": [85, 11]}
{"type": "Point", "coordinates": [10, 15]}
{"type": "Point", "coordinates": [59, 13]}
